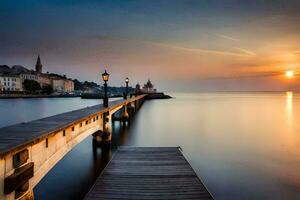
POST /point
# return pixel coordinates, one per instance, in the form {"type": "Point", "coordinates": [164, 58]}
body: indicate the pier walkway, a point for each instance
{"type": "Point", "coordinates": [148, 173]}
{"type": "Point", "coordinates": [17, 136]}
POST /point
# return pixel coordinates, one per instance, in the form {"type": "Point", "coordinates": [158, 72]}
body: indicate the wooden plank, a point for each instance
{"type": "Point", "coordinates": [18, 136]}
{"type": "Point", "coordinates": [148, 173]}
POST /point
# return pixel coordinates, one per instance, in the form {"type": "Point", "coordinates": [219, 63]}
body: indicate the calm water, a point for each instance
{"type": "Point", "coordinates": [242, 145]}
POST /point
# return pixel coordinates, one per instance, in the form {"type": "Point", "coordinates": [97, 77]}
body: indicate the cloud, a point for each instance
{"type": "Point", "coordinates": [245, 51]}
{"type": "Point", "coordinates": [205, 51]}
{"type": "Point", "coordinates": [227, 37]}
{"type": "Point", "coordinates": [242, 53]}
{"type": "Point", "coordinates": [254, 75]}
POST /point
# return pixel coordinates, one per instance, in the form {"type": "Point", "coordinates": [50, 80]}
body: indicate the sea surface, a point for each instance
{"type": "Point", "coordinates": [242, 145]}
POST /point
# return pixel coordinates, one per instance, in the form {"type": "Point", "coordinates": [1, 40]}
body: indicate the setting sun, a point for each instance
{"type": "Point", "coordinates": [289, 73]}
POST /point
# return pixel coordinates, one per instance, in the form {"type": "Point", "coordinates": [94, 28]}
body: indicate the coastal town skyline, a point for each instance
{"type": "Point", "coordinates": [18, 80]}
{"type": "Point", "coordinates": [39, 68]}
{"type": "Point", "coordinates": [181, 45]}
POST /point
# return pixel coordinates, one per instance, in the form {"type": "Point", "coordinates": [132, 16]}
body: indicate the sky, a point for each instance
{"type": "Point", "coordinates": [181, 45]}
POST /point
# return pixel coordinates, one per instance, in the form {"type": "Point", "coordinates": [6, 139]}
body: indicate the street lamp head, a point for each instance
{"type": "Point", "coordinates": [127, 80]}
{"type": "Point", "coordinates": [105, 76]}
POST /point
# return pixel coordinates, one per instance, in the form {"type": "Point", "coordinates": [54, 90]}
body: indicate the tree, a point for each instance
{"type": "Point", "coordinates": [31, 85]}
{"type": "Point", "coordinates": [47, 89]}
{"type": "Point", "coordinates": [78, 85]}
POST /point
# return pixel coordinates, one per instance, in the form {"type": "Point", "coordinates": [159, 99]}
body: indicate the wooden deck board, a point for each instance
{"type": "Point", "coordinates": [148, 173]}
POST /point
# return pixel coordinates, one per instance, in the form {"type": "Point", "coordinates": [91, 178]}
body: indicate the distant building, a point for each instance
{"type": "Point", "coordinates": [38, 65]}
{"type": "Point", "coordinates": [36, 75]}
{"type": "Point", "coordinates": [1, 86]}
{"type": "Point", "coordinates": [148, 87]}
{"type": "Point", "coordinates": [68, 86]}
{"type": "Point", "coordinates": [44, 80]}
{"type": "Point", "coordinates": [30, 75]}
{"type": "Point", "coordinates": [10, 83]}
{"type": "Point", "coordinates": [12, 79]}
{"type": "Point", "coordinates": [62, 85]}
{"type": "Point", "coordinates": [58, 85]}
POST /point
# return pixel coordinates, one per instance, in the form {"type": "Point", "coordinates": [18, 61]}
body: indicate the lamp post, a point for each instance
{"type": "Point", "coordinates": [105, 77]}
{"type": "Point", "coordinates": [126, 91]}
{"type": "Point", "coordinates": [125, 115]}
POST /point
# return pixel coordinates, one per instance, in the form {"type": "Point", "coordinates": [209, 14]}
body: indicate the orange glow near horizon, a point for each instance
{"type": "Point", "coordinates": [289, 73]}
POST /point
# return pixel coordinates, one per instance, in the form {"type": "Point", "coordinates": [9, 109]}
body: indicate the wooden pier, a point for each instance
{"type": "Point", "coordinates": [148, 173]}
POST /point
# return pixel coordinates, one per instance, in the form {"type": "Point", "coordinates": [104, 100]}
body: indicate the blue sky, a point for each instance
{"type": "Point", "coordinates": [181, 45]}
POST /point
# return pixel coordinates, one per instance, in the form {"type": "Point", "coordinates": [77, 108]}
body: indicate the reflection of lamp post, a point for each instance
{"type": "Point", "coordinates": [126, 91]}
{"type": "Point", "coordinates": [105, 77]}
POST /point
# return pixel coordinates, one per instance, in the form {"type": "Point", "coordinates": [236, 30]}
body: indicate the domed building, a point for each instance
{"type": "Point", "coordinates": [151, 92]}
{"type": "Point", "coordinates": [148, 87]}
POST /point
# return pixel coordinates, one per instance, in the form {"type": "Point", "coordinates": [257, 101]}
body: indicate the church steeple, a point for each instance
{"type": "Point", "coordinates": [38, 65]}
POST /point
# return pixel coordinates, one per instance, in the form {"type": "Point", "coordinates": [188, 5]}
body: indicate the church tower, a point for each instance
{"type": "Point", "coordinates": [38, 65]}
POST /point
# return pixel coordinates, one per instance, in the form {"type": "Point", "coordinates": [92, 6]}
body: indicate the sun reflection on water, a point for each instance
{"type": "Point", "coordinates": [289, 107]}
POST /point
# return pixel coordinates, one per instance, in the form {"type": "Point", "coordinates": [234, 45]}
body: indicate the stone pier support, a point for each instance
{"type": "Point", "coordinates": [103, 137]}
{"type": "Point", "coordinates": [125, 115]}
{"type": "Point", "coordinates": [131, 110]}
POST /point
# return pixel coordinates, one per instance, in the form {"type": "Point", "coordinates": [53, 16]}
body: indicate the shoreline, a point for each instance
{"type": "Point", "coordinates": [31, 96]}
{"type": "Point", "coordinates": [51, 96]}
{"type": "Point", "coordinates": [158, 95]}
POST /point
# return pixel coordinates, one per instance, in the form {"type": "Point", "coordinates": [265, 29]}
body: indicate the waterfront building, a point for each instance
{"type": "Point", "coordinates": [10, 83]}
{"type": "Point", "coordinates": [1, 86]}
{"type": "Point", "coordinates": [62, 85]}
{"type": "Point", "coordinates": [12, 79]}
{"type": "Point", "coordinates": [58, 85]}
{"type": "Point", "coordinates": [68, 85]}
{"type": "Point", "coordinates": [37, 75]}
{"type": "Point", "coordinates": [30, 75]}
{"type": "Point", "coordinates": [44, 80]}
{"type": "Point", "coordinates": [34, 75]}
